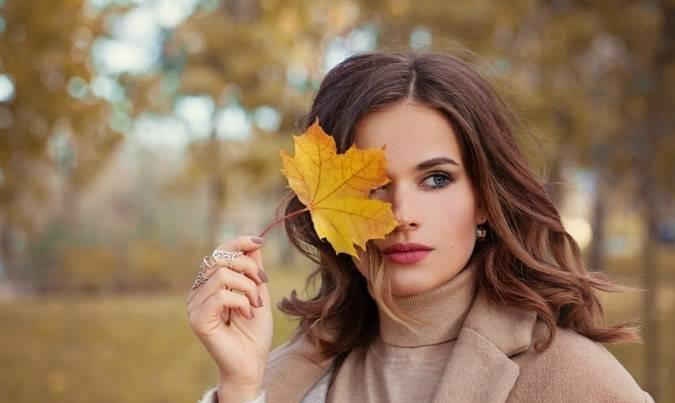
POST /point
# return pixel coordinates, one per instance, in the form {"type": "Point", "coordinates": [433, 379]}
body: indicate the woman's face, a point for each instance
{"type": "Point", "coordinates": [430, 192]}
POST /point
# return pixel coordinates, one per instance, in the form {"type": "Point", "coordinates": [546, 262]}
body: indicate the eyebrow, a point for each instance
{"type": "Point", "coordinates": [433, 162]}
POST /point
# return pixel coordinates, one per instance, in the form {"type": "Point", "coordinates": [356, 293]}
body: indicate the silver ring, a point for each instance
{"type": "Point", "coordinates": [229, 255]}
{"type": "Point", "coordinates": [201, 274]}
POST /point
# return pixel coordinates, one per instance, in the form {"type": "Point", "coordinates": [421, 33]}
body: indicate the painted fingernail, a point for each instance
{"type": "Point", "coordinates": [258, 240]}
{"type": "Point", "coordinates": [252, 315]}
{"type": "Point", "coordinates": [263, 276]}
{"type": "Point", "coordinates": [260, 302]}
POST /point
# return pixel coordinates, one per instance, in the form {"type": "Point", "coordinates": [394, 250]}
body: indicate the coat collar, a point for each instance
{"type": "Point", "coordinates": [479, 368]}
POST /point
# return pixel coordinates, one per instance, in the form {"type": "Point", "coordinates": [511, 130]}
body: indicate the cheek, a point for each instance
{"type": "Point", "coordinates": [452, 215]}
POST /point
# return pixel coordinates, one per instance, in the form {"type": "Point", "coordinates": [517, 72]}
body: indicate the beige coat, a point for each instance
{"type": "Point", "coordinates": [493, 361]}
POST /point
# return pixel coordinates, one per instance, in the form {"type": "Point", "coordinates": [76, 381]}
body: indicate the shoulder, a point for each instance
{"type": "Point", "coordinates": [575, 368]}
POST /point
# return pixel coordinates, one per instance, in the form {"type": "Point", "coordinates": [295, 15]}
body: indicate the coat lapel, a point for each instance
{"type": "Point", "coordinates": [479, 368]}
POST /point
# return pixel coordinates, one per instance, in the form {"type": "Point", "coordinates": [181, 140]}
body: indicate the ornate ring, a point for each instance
{"type": "Point", "coordinates": [201, 274]}
{"type": "Point", "coordinates": [229, 255]}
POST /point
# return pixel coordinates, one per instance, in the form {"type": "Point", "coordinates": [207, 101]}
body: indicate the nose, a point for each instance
{"type": "Point", "coordinates": [405, 226]}
{"type": "Point", "coordinates": [404, 210]}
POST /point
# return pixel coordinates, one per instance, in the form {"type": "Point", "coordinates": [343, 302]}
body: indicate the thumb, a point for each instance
{"type": "Point", "coordinates": [256, 255]}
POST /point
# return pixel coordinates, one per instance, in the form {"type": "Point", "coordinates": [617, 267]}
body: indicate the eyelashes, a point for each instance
{"type": "Point", "coordinates": [440, 180]}
{"type": "Point", "coordinates": [447, 179]}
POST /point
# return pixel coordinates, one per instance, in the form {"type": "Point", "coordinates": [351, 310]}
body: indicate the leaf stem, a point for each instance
{"type": "Point", "coordinates": [282, 219]}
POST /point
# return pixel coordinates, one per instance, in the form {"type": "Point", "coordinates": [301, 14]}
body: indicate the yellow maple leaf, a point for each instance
{"type": "Point", "coordinates": [335, 189]}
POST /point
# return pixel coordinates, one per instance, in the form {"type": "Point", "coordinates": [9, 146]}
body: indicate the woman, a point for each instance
{"type": "Point", "coordinates": [479, 294]}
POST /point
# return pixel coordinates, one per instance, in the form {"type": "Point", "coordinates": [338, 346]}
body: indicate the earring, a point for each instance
{"type": "Point", "coordinates": [481, 232]}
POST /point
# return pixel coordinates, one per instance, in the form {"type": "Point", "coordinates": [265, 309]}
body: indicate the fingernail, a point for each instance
{"type": "Point", "coordinates": [260, 302]}
{"type": "Point", "coordinates": [263, 276]}
{"type": "Point", "coordinates": [258, 240]}
{"type": "Point", "coordinates": [252, 314]}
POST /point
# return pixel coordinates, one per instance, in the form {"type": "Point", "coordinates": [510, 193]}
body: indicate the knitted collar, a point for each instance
{"type": "Point", "coordinates": [444, 307]}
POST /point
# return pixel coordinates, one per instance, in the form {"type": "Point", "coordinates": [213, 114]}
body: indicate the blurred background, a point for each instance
{"type": "Point", "coordinates": [135, 135]}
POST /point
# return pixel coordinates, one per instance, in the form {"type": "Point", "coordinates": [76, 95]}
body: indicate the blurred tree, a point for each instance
{"type": "Point", "coordinates": [241, 53]}
{"type": "Point", "coordinates": [53, 124]}
{"type": "Point", "coordinates": [655, 164]}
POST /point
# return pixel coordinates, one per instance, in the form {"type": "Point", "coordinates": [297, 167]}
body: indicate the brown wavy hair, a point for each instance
{"type": "Point", "coordinates": [527, 259]}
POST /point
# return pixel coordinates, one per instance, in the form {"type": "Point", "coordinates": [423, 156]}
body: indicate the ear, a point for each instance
{"type": "Point", "coordinates": [481, 215]}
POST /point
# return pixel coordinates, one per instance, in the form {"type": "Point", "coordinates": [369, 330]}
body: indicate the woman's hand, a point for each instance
{"type": "Point", "coordinates": [239, 349]}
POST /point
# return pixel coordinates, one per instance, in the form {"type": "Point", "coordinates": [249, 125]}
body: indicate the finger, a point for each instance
{"type": "Point", "coordinates": [214, 307]}
{"type": "Point", "coordinates": [256, 255]}
{"type": "Point", "coordinates": [244, 243]}
{"type": "Point", "coordinates": [224, 279]}
{"type": "Point", "coordinates": [242, 264]}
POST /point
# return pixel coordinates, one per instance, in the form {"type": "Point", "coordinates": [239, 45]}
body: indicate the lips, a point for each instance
{"type": "Point", "coordinates": [406, 253]}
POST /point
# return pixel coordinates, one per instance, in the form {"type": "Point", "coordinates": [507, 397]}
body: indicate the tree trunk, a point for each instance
{"type": "Point", "coordinates": [659, 122]}
{"type": "Point", "coordinates": [560, 159]}
{"type": "Point", "coordinates": [650, 279]}
{"type": "Point", "coordinates": [7, 258]}
{"type": "Point", "coordinates": [650, 284]}
{"type": "Point", "coordinates": [599, 217]}
{"type": "Point", "coordinates": [216, 193]}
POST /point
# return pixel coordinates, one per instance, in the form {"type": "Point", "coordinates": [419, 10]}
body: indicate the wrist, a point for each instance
{"type": "Point", "coordinates": [236, 393]}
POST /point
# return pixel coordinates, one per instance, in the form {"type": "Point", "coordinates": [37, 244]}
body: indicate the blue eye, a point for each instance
{"type": "Point", "coordinates": [439, 180]}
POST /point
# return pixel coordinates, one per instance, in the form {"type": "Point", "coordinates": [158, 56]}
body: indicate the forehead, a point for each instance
{"type": "Point", "coordinates": [411, 133]}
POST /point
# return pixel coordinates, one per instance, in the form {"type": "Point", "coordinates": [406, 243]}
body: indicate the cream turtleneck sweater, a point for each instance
{"type": "Point", "coordinates": [400, 365]}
